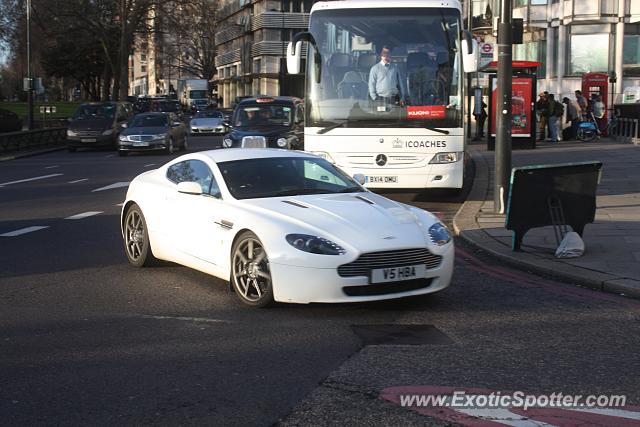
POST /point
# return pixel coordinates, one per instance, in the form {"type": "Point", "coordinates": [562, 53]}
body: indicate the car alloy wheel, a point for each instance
{"type": "Point", "coordinates": [136, 238]}
{"type": "Point", "coordinates": [250, 273]}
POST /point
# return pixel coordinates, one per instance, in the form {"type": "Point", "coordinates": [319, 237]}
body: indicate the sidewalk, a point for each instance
{"type": "Point", "coordinates": [611, 261]}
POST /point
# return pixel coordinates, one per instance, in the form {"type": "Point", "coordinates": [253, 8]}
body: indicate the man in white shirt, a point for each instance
{"type": "Point", "coordinates": [384, 80]}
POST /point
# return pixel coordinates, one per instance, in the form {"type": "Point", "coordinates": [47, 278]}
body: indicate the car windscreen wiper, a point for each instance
{"type": "Point", "coordinates": [350, 190]}
{"type": "Point", "coordinates": [443, 131]}
{"type": "Point", "coordinates": [299, 192]}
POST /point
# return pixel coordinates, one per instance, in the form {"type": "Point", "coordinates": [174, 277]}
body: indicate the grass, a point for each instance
{"type": "Point", "coordinates": [63, 109]}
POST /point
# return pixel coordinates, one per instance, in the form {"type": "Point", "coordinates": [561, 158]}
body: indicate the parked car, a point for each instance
{"type": "Point", "coordinates": [153, 131]}
{"type": "Point", "coordinates": [284, 226]}
{"type": "Point", "coordinates": [276, 122]}
{"type": "Point", "coordinates": [97, 124]}
{"type": "Point", "coordinates": [9, 121]}
{"type": "Point", "coordinates": [207, 121]}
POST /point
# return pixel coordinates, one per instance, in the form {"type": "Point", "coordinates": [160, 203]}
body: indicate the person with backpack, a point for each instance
{"type": "Point", "coordinates": [555, 111]}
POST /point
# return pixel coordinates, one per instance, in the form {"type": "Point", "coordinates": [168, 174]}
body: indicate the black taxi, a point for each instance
{"type": "Point", "coordinates": [267, 121]}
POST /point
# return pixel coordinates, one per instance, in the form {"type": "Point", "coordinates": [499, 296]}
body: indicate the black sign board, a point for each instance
{"type": "Point", "coordinates": [552, 194]}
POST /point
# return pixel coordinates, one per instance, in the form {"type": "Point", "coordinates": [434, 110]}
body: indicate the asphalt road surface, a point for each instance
{"type": "Point", "coordinates": [86, 339]}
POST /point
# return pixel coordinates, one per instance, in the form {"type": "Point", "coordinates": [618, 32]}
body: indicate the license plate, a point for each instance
{"type": "Point", "coordinates": [206, 129]}
{"type": "Point", "coordinates": [87, 140]}
{"type": "Point", "coordinates": [141, 144]}
{"type": "Point", "coordinates": [397, 274]}
{"type": "Point", "coordinates": [383, 179]}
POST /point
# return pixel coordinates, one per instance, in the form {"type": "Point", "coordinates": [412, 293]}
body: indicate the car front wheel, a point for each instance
{"type": "Point", "coordinates": [250, 274]}
{"type": "Point", "coordinates": [136, 238]}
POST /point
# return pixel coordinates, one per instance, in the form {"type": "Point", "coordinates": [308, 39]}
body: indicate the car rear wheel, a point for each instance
{"type": "Point", "coordinates": [136, 238]}
{"type": "Point", "coordinates": [250, 274]}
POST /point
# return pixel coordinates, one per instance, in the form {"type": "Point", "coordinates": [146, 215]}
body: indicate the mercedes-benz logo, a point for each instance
{"type": "Point", "coordinates": [381, 160]}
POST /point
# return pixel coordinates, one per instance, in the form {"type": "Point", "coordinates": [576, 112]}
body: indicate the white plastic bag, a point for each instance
{"type": "Point", "coordinates": [571, 246]}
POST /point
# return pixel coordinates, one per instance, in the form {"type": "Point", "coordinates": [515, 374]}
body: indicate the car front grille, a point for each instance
{"type": "Point", "coordinates": [92, 133]}
{"type": "Point", "coordinates": [139, 138]}
{"type": "Point", "coordinates": [254, 142]}
{"type": "Point", "coordinates": [388, 259]}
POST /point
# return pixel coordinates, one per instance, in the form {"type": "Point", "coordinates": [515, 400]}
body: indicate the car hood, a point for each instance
{"type": "Point", "coordinates": [206, 121]}
{"type": "Point", "coordinates": [145, 130]}
{"type": "Point", "coordinates": [363, 220]}
{"type": "Point", "coordinates": [267, 131]}
{"type": "Point", "coordinates": [90, 124]}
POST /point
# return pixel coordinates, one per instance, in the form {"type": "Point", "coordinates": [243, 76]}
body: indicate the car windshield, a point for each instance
{"type": "Point", "coordinates": [210, 114]}
{"type": "Point", "coordinates": [284, 176]}
{"type": "Point", "coordinates": [149, 121]}
{"type": "Point", "coordinates": [95, 112]}
{"type": "Point", "coordinates": [262, 115]}
{"type": "Point", "coordinates": [168, 106]}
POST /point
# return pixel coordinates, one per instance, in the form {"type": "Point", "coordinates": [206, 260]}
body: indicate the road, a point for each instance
{"type": "Point", "coordinates": [87, 339]}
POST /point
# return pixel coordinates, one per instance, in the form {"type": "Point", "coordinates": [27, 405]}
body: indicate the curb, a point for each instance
{"type": "Point", "coordinates": [31, 153]}
{"type": "Point", "coordinates": [466, 227]}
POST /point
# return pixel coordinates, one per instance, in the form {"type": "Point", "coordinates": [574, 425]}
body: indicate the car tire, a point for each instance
{"type": "Point", "coordinates": [250, 274]}
{"type": "Point", "coordinates": [136, 238]}
{"type": "Point", "coordinates": [122, 153]}
{"type": "Point", "coordinates": [170, 149]}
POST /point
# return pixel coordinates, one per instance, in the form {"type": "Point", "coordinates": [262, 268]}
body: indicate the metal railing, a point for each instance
{"type": "Point", "coordinates": [627, 130]}
{"type": "Point", "coordinates": [11, 142]}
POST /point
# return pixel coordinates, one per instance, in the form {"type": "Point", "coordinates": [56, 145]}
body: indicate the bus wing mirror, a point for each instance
{"type": "Point", "coordinates": [469, 53]}
{"type": "Point", "coordinates": [293, 57]}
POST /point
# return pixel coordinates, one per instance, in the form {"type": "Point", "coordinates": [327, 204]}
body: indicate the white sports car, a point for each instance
{"type": "Point", "coordinates": [285, 226]}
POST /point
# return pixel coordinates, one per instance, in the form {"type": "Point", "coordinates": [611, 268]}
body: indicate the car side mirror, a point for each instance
{"type": "Point", "coordinates": [359, 178]}
{"type": "Point", "coordinates": [190, 187]}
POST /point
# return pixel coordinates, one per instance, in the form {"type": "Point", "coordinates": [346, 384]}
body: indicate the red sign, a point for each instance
{"type": "Point", "coordinates": [426, 112]}
{"type": "Point", "coordinates": [487, 48]}
{"type": "Point", "coordinates": [521, 107]}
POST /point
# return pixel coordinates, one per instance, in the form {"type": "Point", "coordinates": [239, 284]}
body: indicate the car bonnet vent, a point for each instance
{"type": "Point", "coordinates": [294, 203]}
{"type": "Point", "coordinates": [364, 199]}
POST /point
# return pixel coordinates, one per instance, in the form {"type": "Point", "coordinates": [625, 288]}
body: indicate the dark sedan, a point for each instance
{"type": "Point", "coordinates": [153, 131]}
{"type": "Point", "coordinates": [97, 124]}
{"type": "Point", "coordinates": [275, 122]}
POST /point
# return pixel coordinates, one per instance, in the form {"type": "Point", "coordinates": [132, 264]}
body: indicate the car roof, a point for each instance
{"type": "Point", "coordinates": [276, 100]}
{"type": "Point", "coordinates": [231, 154]}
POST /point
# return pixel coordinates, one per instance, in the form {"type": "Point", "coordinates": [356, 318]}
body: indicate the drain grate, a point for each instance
{"type": "Point", "coordinates": [400, 335]}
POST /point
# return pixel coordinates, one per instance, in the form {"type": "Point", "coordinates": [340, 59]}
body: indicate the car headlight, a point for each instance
{"type": "Point", "coordinates": [324, 155]}
{"type": "Point", "coordinates": [227, 143]}
{"type": "Point", "coordinates": [314, 244]}
{"type": "Point", "coordinates": [123, 138]}
{"type": "Point", "coordinates": [159, 136]}
{"type": "Point", "coordinates": [439, 234]}
{"type": "Point", "coordinates": [107, 132]}
{"type": "Point", "coordinates": [71, 133]}
{"type": "Point", "coordinates": [441, 158]}
{"type": "Point", "coordinates": [281, 142]}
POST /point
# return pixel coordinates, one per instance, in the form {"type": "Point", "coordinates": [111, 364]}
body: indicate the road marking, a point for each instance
{"type": "Point", "coordinates": [78, 180]}
{"type": "Point", "coordinates": [183, 318]}
{"type": "Point", "coordinates": [149, 165]}
{"type": "Point", "coordinates": [502, 416]}
{"type": "Point", "coordinates": [110, 155]}
{"type": "Point", "coordinates": [24, 231]}
{"type": "Point", "coordinates": [112, 186]}
{"type": "Point", "coordinates": [620, 413]}
{"type": "Point", "coordinates": [29, 179]}
{"type": "Point", "coordinates": [84, 215]}
{"type": "Point", "coordinates": [52, 167]}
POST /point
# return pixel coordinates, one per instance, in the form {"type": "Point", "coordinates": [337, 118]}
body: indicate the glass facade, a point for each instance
{"type": "Point", "coordinates": [532, 51]}
{"type": "Point", "coordinates": [589, 53]}
{"type": "Point", "coordinates": [631, 56]}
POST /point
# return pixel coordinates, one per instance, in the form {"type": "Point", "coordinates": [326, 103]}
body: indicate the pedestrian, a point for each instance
{"type": "Point", "coordinates": [598, 111]}
{"type": "Point", "coordinates": [582, 103]}
{"type": "Point", "coordinates": [481, 116]}
{"type": "Point", "coordinates": [556, 111]}
{"type": "Point", "coordinates": [542, 106]}
{"type": "Point", "coordinates": [572, 117]}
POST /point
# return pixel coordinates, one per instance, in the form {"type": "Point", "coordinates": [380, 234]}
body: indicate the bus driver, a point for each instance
{"type": "Point", "coordinates": [385, 82]}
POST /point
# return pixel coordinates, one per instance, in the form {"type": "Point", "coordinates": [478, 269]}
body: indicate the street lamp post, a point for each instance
{"type": "Point", "coordinates": [29, 71]}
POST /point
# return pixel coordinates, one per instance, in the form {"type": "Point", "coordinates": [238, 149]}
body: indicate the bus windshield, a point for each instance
{"type": "Point", "coordinates": [416, 84]}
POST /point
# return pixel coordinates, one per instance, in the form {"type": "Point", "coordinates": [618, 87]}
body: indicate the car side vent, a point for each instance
{"type": "Point", "coordinates": [294, 203]}
{"type": "Point", "coordinates": [364, 199]}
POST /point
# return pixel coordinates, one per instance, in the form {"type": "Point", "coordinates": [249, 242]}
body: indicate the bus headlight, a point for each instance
{"type": "Point", "coordinates": [324, 155]}
{"type": "Point", "coordinates": [442, 158]}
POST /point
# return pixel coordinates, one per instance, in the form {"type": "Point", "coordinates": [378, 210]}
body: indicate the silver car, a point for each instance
{"type": "Point", "coordinates": [207, 122]}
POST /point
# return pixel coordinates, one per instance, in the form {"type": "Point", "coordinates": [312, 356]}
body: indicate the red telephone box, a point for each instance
{"type": "Point", "coordinates": [598, 84]}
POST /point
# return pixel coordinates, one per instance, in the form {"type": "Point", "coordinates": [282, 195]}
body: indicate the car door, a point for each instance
{"type": "Point", "coordinates": [203, 225]}
{"type": "Point", "coordinates": [298, 127]}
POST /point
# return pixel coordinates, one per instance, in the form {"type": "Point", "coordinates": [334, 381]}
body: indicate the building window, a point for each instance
{"type": "Point", "coordinates": [257, 65]}
{"type": "Point", "coordinates": [520, 3]}
{"type": "Point", "coordinates": [589, 53]}
{"type": "Point", "coordinates": [532, 51]}
{"type": "Point", "coordinates": [143, 69]}
{"type": "Point", "coordinates": [552, 37]}
{"type": "Point", "coordinates": [631, 56]}
{"type": "Point", "coordinates": [143, 57]}
{"type": "Point", "coordinates": [538, 2]}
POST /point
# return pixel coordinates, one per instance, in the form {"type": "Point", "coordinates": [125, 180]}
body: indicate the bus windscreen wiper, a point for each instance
{"type": "Point", "coordinates": [443, 131]}
{"type": "Point", "coordinates": [332, 126]}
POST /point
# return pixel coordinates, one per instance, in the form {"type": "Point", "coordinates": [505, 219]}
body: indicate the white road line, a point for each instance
{"type": "Point", "coordinates": [609, 412]}
{"type": "Point", "coordinates": [110, 155]}
{"type": "Point", "coordinates": [149, 165]}
{"type": "Point", "coordinates": [78, 180]}
{"type": "Point", "coordinates": [52, 167]}
{"type": "Point", "coordinates": [183, 318]}
{"type": "Point", "coordinates": [502, 416]}
{"type": "Point", "coordinates": [29, 179]}
{"type": "Point", "coordinates": [112, 186]}
{"type": "Point", "coordinates": [24, 231]}
{"type": "Point", "coordinates": [84, 215]}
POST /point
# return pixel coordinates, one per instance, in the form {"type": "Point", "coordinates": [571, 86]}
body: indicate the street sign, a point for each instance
{"type": "Point", "coordinates": [41, 109]}
{"type": "Point", "coordinates": [486, 48]}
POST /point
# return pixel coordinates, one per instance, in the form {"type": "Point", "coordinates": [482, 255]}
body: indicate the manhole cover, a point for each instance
{"type": "Point", "coordinates": [400, 335]}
